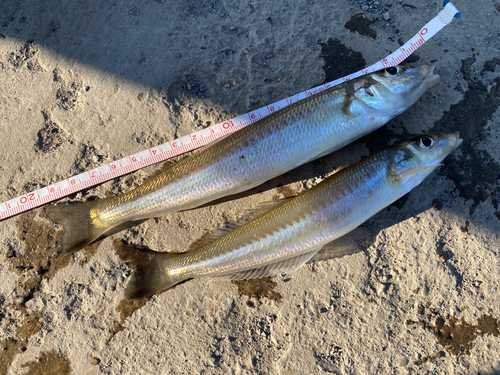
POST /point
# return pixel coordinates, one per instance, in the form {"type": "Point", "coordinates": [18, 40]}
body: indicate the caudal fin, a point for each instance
{"type": "Point", "coordinates": [150, 271]}
{"type": "Point", "coordinates": [79, 228]}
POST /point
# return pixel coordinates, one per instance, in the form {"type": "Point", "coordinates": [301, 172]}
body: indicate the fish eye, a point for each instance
{"type": "Point", "coordinates": [391, 72]}
{"type": "Point", "coordinates": [426, 142]}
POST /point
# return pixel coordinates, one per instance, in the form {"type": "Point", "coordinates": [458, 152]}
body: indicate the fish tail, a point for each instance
{"type": "Point", "coordinates": [79, 222]}
{"type": "Point", "coordinates": [150, 267]}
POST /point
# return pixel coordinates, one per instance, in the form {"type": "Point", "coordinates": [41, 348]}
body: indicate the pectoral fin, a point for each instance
{"type": "Point", "coordinates": [405, 175]}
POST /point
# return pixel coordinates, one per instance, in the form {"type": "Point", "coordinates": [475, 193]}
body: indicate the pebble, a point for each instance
{"type": "Point", "coordinates": [387, 16]}
{"type": "Point", "coordinates": [402, 361]}
{"type": "Point", "coordinates": [95, 361]}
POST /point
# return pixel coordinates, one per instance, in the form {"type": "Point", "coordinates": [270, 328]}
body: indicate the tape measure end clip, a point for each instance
{"type": "Point", "coordinates": [457, 14]}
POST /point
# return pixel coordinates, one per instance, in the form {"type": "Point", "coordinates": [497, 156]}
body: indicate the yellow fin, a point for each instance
{"type": "Point", "coordinates": [79, 224]}
{"type": "Point", "coordinates": [150, 274]}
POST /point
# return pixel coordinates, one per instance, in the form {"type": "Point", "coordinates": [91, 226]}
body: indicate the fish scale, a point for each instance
{"type": "Point", "coordinates": [284, 238]}
{"type": "Point", "coordinates": [307, 222]}
{"type": "Point", "coordinates": [290, 137]}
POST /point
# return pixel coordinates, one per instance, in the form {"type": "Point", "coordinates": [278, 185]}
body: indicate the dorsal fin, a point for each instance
{"type": "Point", "coordinates": [230, 225]}
{"type": "Point", "coordinates": [285, 266]}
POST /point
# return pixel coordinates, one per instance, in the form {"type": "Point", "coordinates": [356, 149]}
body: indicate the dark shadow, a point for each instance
{"type": "Point", "coordinates": [141, 43]}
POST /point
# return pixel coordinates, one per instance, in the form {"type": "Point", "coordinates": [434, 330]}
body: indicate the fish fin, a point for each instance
{"type": "Point", "coordinates": [75, 218]}
{"type": "Point", "coordinates": [409, 173]}
{"type": "Point", "coordinates": [231, 225]}
{"type": "Point", "coordinates": [284, 266]}
{"type": "Point", "coordinates": [150, 274]}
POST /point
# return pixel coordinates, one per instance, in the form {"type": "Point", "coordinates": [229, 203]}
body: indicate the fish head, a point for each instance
{"type": "Point", "coordinates": [393, 90]}
{"type": "Point", "coordinates": [412, 161]}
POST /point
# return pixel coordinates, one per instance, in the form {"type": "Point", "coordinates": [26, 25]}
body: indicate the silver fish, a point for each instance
{"type": "Point", "coordinates": [283, 239]}
{"type": "Point", "coordinates": [263, 150]}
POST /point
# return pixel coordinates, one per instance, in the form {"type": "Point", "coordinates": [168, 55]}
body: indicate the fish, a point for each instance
{"type": "Point", "coordinates": [294, 135]}
{"type": "Point", "coordinates": [282, 239]}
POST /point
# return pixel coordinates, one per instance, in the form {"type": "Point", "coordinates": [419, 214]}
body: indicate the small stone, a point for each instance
{"type": "Point", "coordinates": [95, 158]}
{"type": "Point", "coordinates": [95, 361]}
{"type": "Point", "coordinates": [387, 16]}
{"type": "Point", "coordinates": [402, 361]}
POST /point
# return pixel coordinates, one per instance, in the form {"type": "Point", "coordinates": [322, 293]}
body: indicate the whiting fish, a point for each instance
{"type": "Point", "coordinates": [281, 240]}
{"type": "Point", "coordinates": [292, 136]}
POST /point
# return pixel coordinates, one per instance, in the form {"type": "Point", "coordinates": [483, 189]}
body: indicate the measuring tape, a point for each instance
{"type": "Point", "coordinates": [192, 141]}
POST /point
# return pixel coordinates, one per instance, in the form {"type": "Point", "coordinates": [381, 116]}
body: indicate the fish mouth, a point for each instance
{"type": "Point", "coordinates": [455, 139]}
{"type": "Point", "coordinates": [431, 79]}
{"type": "Point", "coordinates": [458, 140]}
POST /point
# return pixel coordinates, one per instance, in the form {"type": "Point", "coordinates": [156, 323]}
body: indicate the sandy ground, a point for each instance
{"type": "Point", "coordinates": [87, 82]}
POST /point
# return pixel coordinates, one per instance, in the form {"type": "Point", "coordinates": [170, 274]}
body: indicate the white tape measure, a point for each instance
{"type": "Point", "coordinates": [192, 141]}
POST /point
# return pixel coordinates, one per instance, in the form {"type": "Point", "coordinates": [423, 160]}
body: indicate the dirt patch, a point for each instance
{"type": "Point", "coordinates": [361, 24]}
{"type": "Point", "coordinates": [489, 66]}
{"type": "Point", "coordinates": [8, 350]}
{"type": "Point", "coordinates": [126, 308]}
{"type": "Point", "coordinates": [49, 363]}
{"type": "Point", "coordinates": [257, 289]}
{"type": "Point", "coordinates": [455, 335]}
{"type": "Point", "coordinates": [26, 56]}
{"type": "Point", "coordinates": [88, 158]}
{"type": "Point", "coordinates": [340, 60]}
{"type": "Point", "coordinates": [69, 89]}
{"type": "Point", "coordinates": [34, 257]}
{"type": "Point", "coordinates": [51, 136]}
{"type": "Point", "coordinates": [470, 117]}
{"type": "Point", "coordinates": [25, 328]}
